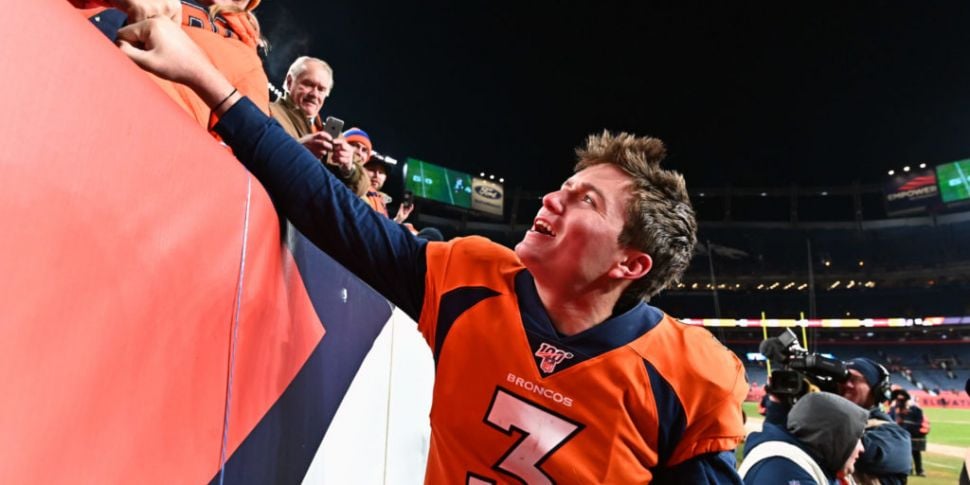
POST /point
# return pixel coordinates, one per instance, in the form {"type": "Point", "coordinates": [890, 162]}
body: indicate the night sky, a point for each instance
{"type": "Point", "coordinates": [760, 96]}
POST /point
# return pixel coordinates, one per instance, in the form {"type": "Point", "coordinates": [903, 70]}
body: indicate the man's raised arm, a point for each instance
{"type": "Point", "coordinates": [377, 250]}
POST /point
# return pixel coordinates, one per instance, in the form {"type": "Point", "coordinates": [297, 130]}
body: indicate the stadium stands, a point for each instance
{"type": "Point", "coordinates": [864, 264]}
{"type": "Point", "coordinates": [934, 361]}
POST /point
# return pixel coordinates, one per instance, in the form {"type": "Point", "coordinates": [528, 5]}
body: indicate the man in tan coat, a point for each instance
{"type": "Point", "coordinates": [308, 83]}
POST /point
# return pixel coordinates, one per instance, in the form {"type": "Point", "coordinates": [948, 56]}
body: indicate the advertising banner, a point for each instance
{"type": "Point", "coordinates": [488, 196]}
{"type": "Point", "coordinates": [911, 192]}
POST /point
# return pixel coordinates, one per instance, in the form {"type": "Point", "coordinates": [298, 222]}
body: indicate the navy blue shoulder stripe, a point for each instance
{"type": "Point", "coordinates": [671, 418]}
{"type": "Point", "coordinates": [109, 21]}
{"type": "Point", "coordinates": [452, 305]}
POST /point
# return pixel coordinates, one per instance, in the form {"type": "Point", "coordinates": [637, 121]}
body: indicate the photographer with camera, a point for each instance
{"type": "Point", "coordinates": [910, 416]}
{"type": "Point", "coordinates": [862, 381]}
{"type": "Point", "coordinates": [819, 445]}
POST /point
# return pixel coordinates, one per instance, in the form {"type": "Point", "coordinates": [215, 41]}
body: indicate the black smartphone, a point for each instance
{"type": "Point", "coordinates": [408, 198]}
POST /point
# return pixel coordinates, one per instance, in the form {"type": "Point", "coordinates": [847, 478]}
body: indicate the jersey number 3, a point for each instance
{"type": "Point", "coordinates": [541, 431]}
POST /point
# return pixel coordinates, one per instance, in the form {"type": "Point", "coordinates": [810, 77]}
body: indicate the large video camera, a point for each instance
{"type": "Point", "coordinates": [800, 369]}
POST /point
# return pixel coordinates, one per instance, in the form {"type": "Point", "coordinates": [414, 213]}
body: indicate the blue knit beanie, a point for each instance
{"type": "Point", "coordinates": [867, 367]}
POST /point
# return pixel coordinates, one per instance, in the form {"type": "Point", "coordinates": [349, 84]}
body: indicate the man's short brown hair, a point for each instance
{"type": "Point", "coordinates": [660, 220]}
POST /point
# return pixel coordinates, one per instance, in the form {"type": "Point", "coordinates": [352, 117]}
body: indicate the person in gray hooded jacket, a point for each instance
{"type": "Point", "coordinates": [819, 445]}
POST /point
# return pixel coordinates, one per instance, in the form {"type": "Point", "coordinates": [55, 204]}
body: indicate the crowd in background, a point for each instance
{"type": "Point", "coordinates": [229, 33]}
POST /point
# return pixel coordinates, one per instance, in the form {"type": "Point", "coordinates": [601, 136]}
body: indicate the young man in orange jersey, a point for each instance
{"type": "Point", "coordinates": [551, 366]}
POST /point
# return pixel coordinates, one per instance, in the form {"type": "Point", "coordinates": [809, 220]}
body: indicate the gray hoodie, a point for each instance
{"type": "Point", "coordinates": [829, 425]}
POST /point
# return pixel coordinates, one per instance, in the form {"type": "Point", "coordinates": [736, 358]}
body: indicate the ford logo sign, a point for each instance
{"type": "Point", "coordinates": [488, 192]}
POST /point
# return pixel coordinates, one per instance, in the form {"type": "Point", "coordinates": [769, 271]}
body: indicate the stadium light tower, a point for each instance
{"type": "Point", "coordinates": [892, 172]}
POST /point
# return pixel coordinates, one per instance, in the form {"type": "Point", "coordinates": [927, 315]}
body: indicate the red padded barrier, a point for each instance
{"type": "Point", "coordinates": [123, 226]}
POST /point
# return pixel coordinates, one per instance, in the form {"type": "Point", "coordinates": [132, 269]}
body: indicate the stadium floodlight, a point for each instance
{"type": "Point", "coordinates": [774, 285]}
{"type": "Point", "coordinates": [802, 286]}
{"type": "Point", "coordinates": [482, 174]}
{"type": "Point", "coordinates": [861, 263]}
{"type": "Point", "coordinates": [922, 165]}
{"type": "Point", "coordinates": [501, 180]}
{"type": "Point", "coordinates": [892, 172]}
{"type": "Point", "coordinates": [700, 194]}
{"type": "Point", "coordinates": [761, 286]}
{"type": "Point", "coordinates": [835, 285]}
{"type": "Point", "coordinates": [491, 177]}
{"type": "Point", "coordinates": [851, 284]}
{"type": "Point", "coordinates": [693, 286]}
{"type": "Point", "coordinates": [906, 168]}
{"type": "Point", "coordinates": [824, 193]}
{"type": "Point", "coordinates": [827, 263]}
{"type": "Point", "coordinates": [764, 194]}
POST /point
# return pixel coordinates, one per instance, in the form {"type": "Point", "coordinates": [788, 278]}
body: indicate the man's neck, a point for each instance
{"type": "Point", "coordinates": [572, 312]}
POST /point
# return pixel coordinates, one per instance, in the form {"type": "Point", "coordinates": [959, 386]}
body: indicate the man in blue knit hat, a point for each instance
{"type": "Point", "coordinates": [887, 456]}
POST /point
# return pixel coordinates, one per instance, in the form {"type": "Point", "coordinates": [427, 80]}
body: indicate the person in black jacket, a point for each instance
{"type": "Point", "coordinates": [908, 415]}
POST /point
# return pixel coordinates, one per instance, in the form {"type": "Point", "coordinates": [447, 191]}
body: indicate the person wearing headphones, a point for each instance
{"type": "Point", "coordinates": [887, 456]}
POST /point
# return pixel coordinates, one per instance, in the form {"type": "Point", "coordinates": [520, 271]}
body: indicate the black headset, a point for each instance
{"type": "Point", "coordinates": [883, 389]}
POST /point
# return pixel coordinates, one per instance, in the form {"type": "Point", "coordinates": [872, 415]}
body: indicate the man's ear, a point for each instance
{"type": "Point", "coordinates": [288, 83]}
{"type": "Point", "coordinates": [634, 266]}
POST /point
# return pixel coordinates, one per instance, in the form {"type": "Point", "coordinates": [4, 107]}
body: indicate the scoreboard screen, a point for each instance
{"type": "Point", "coordinates": [954, 180]}
{"type": "Point", "coordinates": [437, 183]}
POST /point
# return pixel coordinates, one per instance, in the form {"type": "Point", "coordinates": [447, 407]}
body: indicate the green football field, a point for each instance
{"type": "Point", "coordinates": [947, 427]}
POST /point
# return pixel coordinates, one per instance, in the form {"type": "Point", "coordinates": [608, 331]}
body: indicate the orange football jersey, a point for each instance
{"type": "Point", "coordinates": [516, 402]}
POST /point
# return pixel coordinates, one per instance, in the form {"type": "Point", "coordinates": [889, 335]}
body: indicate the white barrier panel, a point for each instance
{"type": "Point", "coordinates": [381, 432]}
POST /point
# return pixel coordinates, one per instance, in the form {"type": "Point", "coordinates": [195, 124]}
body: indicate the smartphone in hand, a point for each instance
{"type": "Point", "coordinates": [334, 126]}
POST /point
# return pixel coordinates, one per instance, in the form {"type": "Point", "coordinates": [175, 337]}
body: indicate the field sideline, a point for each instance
{"type": "Point", "coordinates": [949, 430]}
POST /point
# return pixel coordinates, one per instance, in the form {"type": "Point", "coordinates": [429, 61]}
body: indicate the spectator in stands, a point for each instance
{"type": "Point", "coordinates": [819, 444]}
{"type": "Point", "coordinates": [554, 341]}
{"type": "Point", "coordinates": [376, 170]}
{"type": "Point", "coordinates": [359, 181]}
{"type": "Point", "coordinates": [307, 85]}
{"type": "Point", "coordinates": [226, 30]}
{"type": "Point", "coordinates": [910, 416]}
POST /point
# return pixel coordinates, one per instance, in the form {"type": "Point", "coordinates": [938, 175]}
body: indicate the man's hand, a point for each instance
{"type": "Point", "coordinates": [403, 211]}
{"type": "Point", "coordinates": [319, 143]}
{"type": "Point", "coordinates": [343, 155]}
{"type": "Point", "coordinates": [138, 10]}
{"type": "Point", "coordinates": [160, 47]}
